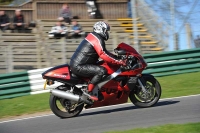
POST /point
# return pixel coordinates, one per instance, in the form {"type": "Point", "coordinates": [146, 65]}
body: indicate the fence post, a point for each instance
{"type": "Point", "coordinates": [10, 58]}
{"type": "Point", "coordinates": [64, 60]}
{"type": "Point", "coordinates": [48, 54]}
{"type": "Point", "coordinates": [5, 55]}
{"type": "Point", "coordinates": [114, 39]}
{"type": "Point", "coordinates": [126, 40]}
{"type": "Point", "coordinates": [34, 6]}
{"type": "Point", "coordinates": [39, 54]}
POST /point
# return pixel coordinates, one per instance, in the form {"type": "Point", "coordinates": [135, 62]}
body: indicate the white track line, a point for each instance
{"type": "Point", "coordinates": [97, 108]}
{"type": "Point", "coordinates": [25, 118]}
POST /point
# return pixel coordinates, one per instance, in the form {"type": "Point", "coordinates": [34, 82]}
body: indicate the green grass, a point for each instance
{"type": "Point", "coordinates": [170, 128]}
{"type": "Point", "coordinates": [180, 85]}
{"type": "Point", "coordinates": [172, 86]}
{"type": "Point", "coordinates": [24, 105]}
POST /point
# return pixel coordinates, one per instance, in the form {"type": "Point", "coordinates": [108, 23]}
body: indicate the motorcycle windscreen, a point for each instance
{"type": "Point", "coordinates": [127, 48]}
{"type": "Point", "coordinates": [130, 49]}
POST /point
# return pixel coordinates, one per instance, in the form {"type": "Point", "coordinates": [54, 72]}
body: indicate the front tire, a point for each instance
{"type": "Point", "coordinates": [152, 86]}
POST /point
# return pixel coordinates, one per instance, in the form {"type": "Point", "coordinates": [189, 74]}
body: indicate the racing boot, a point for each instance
{"type": "Point", "coordinates": [90, 89]}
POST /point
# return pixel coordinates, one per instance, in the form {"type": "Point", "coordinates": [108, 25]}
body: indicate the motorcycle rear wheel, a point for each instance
{"type": "Point", "coordinates": [154, 88]}
{"type": "Point", "coordinates": [63, 113]}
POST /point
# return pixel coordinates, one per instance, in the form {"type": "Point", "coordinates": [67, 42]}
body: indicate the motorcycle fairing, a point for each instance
{"type": "Point", "coordinates": [62, 74]}
{"type": "Point", "coordinates": [62, 70]}
{"type": "Point", "coordinates": [112, 94]}
{"type": "Point", "coordinates": [106, 80]}
{"type": "Point", "coordinates": [127, 48]}
{"type": "Point", "coordinates": [111, 68]}
{"type": "Point", "coordinates": [133, 52]}
{"type": "Point", "coordinates": [110, 77]}
{"type": "Point", "coordinates": [111, 91]}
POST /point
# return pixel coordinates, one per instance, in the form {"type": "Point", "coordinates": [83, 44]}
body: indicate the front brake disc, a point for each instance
{"type": "Point", "coordinates": [146, 96]}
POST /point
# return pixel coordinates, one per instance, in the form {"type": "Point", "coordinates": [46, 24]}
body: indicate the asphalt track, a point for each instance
{"type": "Point", "coordinates": [120, 117]}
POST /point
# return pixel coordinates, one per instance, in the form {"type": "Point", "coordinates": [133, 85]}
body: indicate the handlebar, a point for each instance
{"type": "Point", "coordinates": [131, 61]}
{"type": "Point", "coordinates": [131, 64]}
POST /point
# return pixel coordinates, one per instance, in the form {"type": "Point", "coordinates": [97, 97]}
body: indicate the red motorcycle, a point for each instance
{"type": "Point", "coordinates": [68, 99]}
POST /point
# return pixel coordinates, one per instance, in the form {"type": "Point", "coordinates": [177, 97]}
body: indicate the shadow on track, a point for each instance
{"type": "Point", "coordinates": [161, 103]}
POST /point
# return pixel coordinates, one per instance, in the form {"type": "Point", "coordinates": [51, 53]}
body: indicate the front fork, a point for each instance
{"type": "Point", "coordinates": [142, 83]}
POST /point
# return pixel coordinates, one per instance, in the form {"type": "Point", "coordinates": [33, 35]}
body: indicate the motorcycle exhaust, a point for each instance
{"type": "Point", "coordinates": [69, 96]}
{"type": "Point", "coordinates": [65, 95]}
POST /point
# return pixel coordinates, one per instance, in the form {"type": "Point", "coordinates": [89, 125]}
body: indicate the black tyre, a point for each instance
{"type": "Point", "coordinates": [64, 108]}
{"type": "Point", "coordinates": [154, 92]}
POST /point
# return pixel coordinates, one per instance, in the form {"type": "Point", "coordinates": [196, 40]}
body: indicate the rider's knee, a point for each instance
{"type": "Point", "coordinates": [103, 71]}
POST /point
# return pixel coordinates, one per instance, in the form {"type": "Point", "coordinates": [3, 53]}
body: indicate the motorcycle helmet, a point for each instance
{"type": "Point", "coordinates": [102, 29]}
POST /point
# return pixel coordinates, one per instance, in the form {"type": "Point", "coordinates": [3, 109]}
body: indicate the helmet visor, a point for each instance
{"type": "Point", "coordinates": [108, 28]}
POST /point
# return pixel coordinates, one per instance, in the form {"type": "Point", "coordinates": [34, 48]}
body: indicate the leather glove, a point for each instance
{"type": "Point", "coordinates": [123, 62]}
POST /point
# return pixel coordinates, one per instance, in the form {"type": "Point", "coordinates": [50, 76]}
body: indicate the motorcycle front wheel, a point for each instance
{"type": "Point", "coordinates": [151, 97]}
{"type": "Point", "coordinates": [64, 108]}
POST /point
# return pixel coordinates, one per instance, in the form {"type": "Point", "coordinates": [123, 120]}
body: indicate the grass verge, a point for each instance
{"type": "Point", "coordinates": [172, 86]}
{"type": "Point", "coordinates": [170, 128]}
{"type": "Point", "coordinates": [24, 105]}
{"type": "Point", "coordinates": [180, 85]}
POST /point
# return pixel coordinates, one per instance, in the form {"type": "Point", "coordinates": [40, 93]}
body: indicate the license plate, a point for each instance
{"type": "Point", "coordinates": [45, 84]}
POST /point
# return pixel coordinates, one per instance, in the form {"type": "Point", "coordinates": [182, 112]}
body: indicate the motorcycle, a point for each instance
{"type": "Point", "coordinates": [121, 83]}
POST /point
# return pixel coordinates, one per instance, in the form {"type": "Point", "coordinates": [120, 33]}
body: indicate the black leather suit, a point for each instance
{"type": "Point", "coordinates": [83, 61]}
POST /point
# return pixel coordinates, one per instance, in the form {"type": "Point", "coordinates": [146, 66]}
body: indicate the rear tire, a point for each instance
{"type": "Point", "coordinates": [60, 113]}
{"type": "Point", "coordinates": [154, 85]}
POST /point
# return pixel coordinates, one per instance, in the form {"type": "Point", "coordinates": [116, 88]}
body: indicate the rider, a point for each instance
{"type": "Point", "coordinates": [83, 61]}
